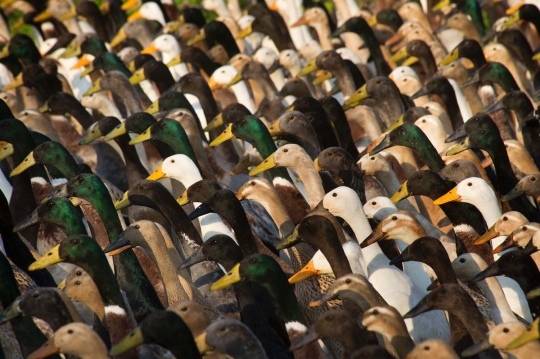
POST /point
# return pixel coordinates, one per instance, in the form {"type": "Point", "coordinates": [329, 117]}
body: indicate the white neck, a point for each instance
{"type": "Point", "coordinates": [242, 96]}
{"type": "Point", "coordinates": [497, 301]}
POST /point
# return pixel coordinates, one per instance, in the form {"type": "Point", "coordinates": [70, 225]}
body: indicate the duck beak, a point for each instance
{"type": "Point", "coordinates": [123, 202]}
{"type": "Point", "coordinates": [225, 136]}
{"type": "Point", "coordinates": [235, 80]}
{"type": "Point", "coordinates": [50, 258]}
{"type": "Point", "coordinates": [135, 16]}
{"type": "Point", "coordinates": [129, 4]}
{"type": "Point", "coordinates": [45, 350]}
{"type": "Point", "coordinates": [87, 71]}
{"type": "Point", "coordinates": [536, 57]}
{"type": "Point", "coordinates": [359, 95]}
{"type": "Point", "coordinates": [175, 61]}
{"type": "Point", "coordinates": [91, 136]}
{"type": "Point", "coordinates": [6, 150]}
{"type": "Point", "coordinates": [372, 21]}
{"type": "Point", "coordinates": [137, 77]}
{"type": "Point", "coordinates": [62, 284]}
{"type": "Point", "coordinates": [290, 240]}
{"type": "Point", "coordinates": [197, 38]}
{"type": "Point", "coordinates": [246, 32]}
{"type": "Point", "coordinates": [145, 136]}
{"type": "Point", "coordinates": [275, 129]}
{"type": "Point", "coordinates": [154, 107]}
{"type": "Point", "coordinates": [5, 51]}
{"type": "Point", "coordinates": [514, 19]}
{"type": "Point", "coordinates": [396, 124]}
{"type": "Point", "coordinates": [83, 62]}
{"type": "Point", "coordinates": [479, 347]}
{"type": "Point", "coordinates": [491, 271]}
{"type": "Point", "coordinates": [459, 147]}
{"type": "Point", "coordinates": [302, 21]}
{"type": "Point", "coordinates": [232, 276]}
{"type": "Point", "coordinates": [420, 308]}
{"type": "Point", "coordinates": [10, 312]}
{"type": "Point", "coordinates": [45, 15]}
{"type": "Point", "coordinates": [70, 14]}
{"type": "Point", "coordinates": [96, 87]}
{"type": "Point", "coordinates": [200, 211]}
{"type": "Point", "coordinates": [508, 242]}
{"type": "Point", "coordinates": [323, 298]}
{"type": "Point", "coordinates": [451, 57]}
{"type": "Point", "coordinates": [157, 174]}
{"type": "Point", "coordinates": [397, 37]}
{"type": "Point", "coordinates": [322, 76]}
{"type": "Point", "coordinates": [73, 49]}
{"type": "Point", "coordinates": [474, 79]}
{"type": "Point", "coordinates": [410, 61]}
{"type": "Point", "coordinates": [375, 236]}
{"type": "Point", "coordinates": [309, 336]}
{"type": "Point", "coordinates": [490, 234]}
{"type": "Point", "coordinates": [215, 123]}
{"type": "Point", "coordinates": [213, 84]}
{"type": "Point", "coordinates": [16, 83]}
{"type": "Point", "coordinates": [28, 162]}
{"type": "Point", "coordinates": [264, 166]}
{"type": "Point", "coordinates": [514, 193]}
{"type": "Point", "coordinates": [400, 54]}
{"type": "Point", "coordinates": [526, 337]}
{"type": "Point", "coordinates": [29, 221]}
{"type": "Point", "coordinates": [451, 196]}
{"type": "Point", "coordinates": [401, 194]}
{"type": "Point", "coordinates": [309, 68]}
{"type": "Point", "coordinates": [150, 49]}
{"type": "Point", "coordinates": [435, 284]}
{"type": "Point", "coordinates": [132, 340]}
{"type": "Point", "coordinates": [117, 131]}
{"type": "Point", "coordinates": [441, 4]}
{"type": "Point", "coordinates": [403, 257]}
{"type": "Point", "coordinates": [196, 257]}
{"type": "Point", "coordinates": [202, 346]}
{"type": "Point", "coordinates": [457, 135]}
{"type": "Point", "coordinates": [118, 38]}
{"type": "Point", "coordinates": [183, 199]}
{"type": "Point", "coordinates": [515, 8]}
{"type": "Point", "coordinates": [118, 246]}
{"type": "Point", "coordinates": [383, 145]}
{"type": "Point", "coordinates": [535, 293]}
{"type": "Point", "coordinates": [308, 271]}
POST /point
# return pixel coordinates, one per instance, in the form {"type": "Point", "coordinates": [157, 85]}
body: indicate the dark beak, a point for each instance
{"type": "Point", "coordinates": [383, 145]}
{"type": "Point", "coordinates": [458, 135]}
{"type": "Point", "coordinates": [495, 107]}
{"type": "Point", "coordinates": [491, 271]}
{"type": "Point", "coordinates": [420, 308]}
{"type": "Point", "coordinates": [200, 211]}
{"type": "Point", "coordinates": [309, 336]}
{"type": "Point", "coordinates": [403, 257]}
{"type": "Point", "coordinates": [117, 246]}
{"type": "Point", "coordinates": [30, 221]}
{"type": "Point", "coordinates": [479, 347]}
{"type": "Point", "coordinates": [196, 257]}
{"type": "Point", "coordinates": [422, 92]}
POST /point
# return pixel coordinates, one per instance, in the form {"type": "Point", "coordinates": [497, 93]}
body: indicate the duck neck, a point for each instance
{"type": "Point", "coordinates": [280, 289]}
{"type": "Point", "coordinates": [77, 111]}
{"type": "Point", "coordinates": [267, 85]}
{"type": "Point", "coordinates": [446, 92]}
{"type": "Point", "coordinates": [344, 79]}
{"type": "Point", "coordinates": [242, 96]}
{"type": "Point", "coordinates": [154, 245]}
{"type": "Point", "coordinates": [323, 31]}
{"type": "Point", "coordinates": [65, 164]}
{"type": "Point", "coordinates": [272, 204]}
{"type": "Point", "coordinates": [425, 149]}
{"type": "Point", "coordinates": [134, 168]}
{"type": "Point", "coordinates": [500, 309]}
{"type": "Point", "coordinates": [127, 92]}
{"type": "Point", "coordinates": [464, 308]}
{"type": "Point", "coordinates": [311, 179]}
{"type": "Point", "coordinates": [71, 223]}
{"type": "Point", "coordinates": [236, 218]}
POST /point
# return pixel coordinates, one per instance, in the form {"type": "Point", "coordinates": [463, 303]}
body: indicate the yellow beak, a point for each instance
{"type": "Point", "coordinates": [225, 136]}
{"type": "Point", "coordinates": [145, 136]}
{"type": "Point", "coordinates": [157, 174]}
{"type": "Point", "coordinates": [129, 4]}
{"type": "Point", "coordinates": [138, 76]}
{"type": "Point", "coordinates": [175, 61]}
{"type": "Point", "coordinates": [6, 150]}
{"type": "Point", "coordinates": [28, 162]}
{"type": "Point", "coordinates": [183, 199]}
{"type": "Point", "coordinates": [123, 202]}
{"type": "Point", "coordinates": [118, 38]}
{"type": "Point", "coordinates": [45, 15]}
{"type": "Point", "coordinates": [118, 131]}
{"type": "Point", "coordinates": [215, 123]}
{"type": "Point", "coordinates": [202, 346]}
{"type": "Point", "coordinates": [265, 165]}
{"type": "Point", "coordinates": [246, 32]}
{"type": "Point", "coordinates": [459, 147]}
{"type": "Point", "coordinates": [400, 54]}
{"type": "Point", "coordinates": [135, 16]}
{"type": "Point", "coordinates": [96, 87]}
{"type": "Point", "coordinates": [197, 38]}
{"type": "Point", "coordinates": [309, 68]}
{"type": "Point", "coordinates": [150, 49]}
{"type": "Point", "coordinates": [316, 164]}
{"type": "Point", "coordinates": [322, 76]}
{"type": "Point", "coordinates": [50, 258]}
{"type": "Point", "coordinates": [451, 196]}
{"type": "Point", "coordinates": [401, 193]}
{"type": "Point", "coordinates": [132, 340]}
{"type": "Point", "coordinates": [441, 4]}
{"type": "Point", "coordinates": [359, 95]}
{"type": "Point", "coordinates": [307, 272]}
{"type": "Point", "coordinates": [233, 276]}
{"type": "Point", "coordinates": [235, 80]}
{"type": "Point", "coordinates": [16, 83]}
{"type": "Point", "coordinates": [395, 125]}
{"type": "Point", "coordinates": [70, 14]}
{"type": "Point", "coordinates": [154, 107]}
{"type": "Point", "coordinates": [526, 337]}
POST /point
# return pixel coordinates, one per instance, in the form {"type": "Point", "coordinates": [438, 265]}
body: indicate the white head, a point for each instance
{"type": "Point", "coordinates": [181, 168]}
{"type": "Point", "coordinates": [166, 42]}
{"type": "Point", "coordinates": [289, 58]}
{"type": "Point", "coordinates": [401, 71]}
{"type": "Point", "coordinates": [467, 265]}
{"type": "Point", "coordinates": [151, 11]}
{"type": "Point", "coordinates": [403, 226]}
{"type": "Point", "coordinates": [245, 21]}
{"type": "Point", "coordinates": [47, 45]}
{"type": "Point", "coordinates": [265, 56]}
{"type": "Point", "coordinates": [310, 50]}
{"type": "Point", "coordinates": [379, 208]}
{"type": "Point", "coordinates": [290, 155]}
{"type": "Point", "coordinates": [343, 202]}
{"type": "Point", "coordinates": [224, 75]}
{"type": "Point", "coordinates": [504, 333]}
{"type": "Point", "coordinates": [370, 165]}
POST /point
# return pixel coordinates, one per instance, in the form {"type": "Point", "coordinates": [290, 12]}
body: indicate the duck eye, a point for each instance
{"type": "Point", "coordinates": [78, 272]}
{"type": "Point", "coordinates": [427, 347]}
{"type": "Point", "coordinates": [533, 179]}
{"type": "Point", "coordinates": [285, 150]}
{"type": "Point", "coordinates": [78, 282]}
{"type": "Point", "coordinates": [505, 218]}
{"type": "Point", "coordinates": [35, 295]}
{"type": "Point", "coordinates": [462, 260]}
{"type": "Point", "coordinates": [375, 312]}
{"type": "Point", "coordinates": [172, 161]}
{"type": "Point", "coordinates": [374, 203]}
{"type": "Point", "coordinates": [253, 183]}
{"type": "Point", "coordinates": [348, 281]}
{"type": "Point", "coordinates": [183, 309]}
{"type": "Point", "coordinates": [456, 165]}
{"type": "Point", "coordinates": [70, 331]}
{"type": "Point", "coordinates": [254, 260]}
{"type": "Point", "coordinates": [469, 184]}
{"type": "Point", "coordinates": [394, 218]}
{"type": "Point", "coordinates": [372, 158]}
{"type": "Point", "coordinates": [334, 194]}
{"type": "Point", "coordinates": [506, 330]}
{"type": "Point", "coordinates": [137, 226]}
